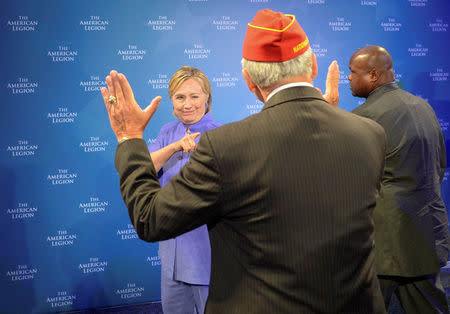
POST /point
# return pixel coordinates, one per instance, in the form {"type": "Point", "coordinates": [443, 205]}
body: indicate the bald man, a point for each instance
{"type": "Point", "coordinates": [411, 224]}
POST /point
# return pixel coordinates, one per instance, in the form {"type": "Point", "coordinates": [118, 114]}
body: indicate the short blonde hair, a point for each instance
{"type": "Point", "coordinates": [186, 72]}
{"type": "Point", "coordinates": [265, 74]}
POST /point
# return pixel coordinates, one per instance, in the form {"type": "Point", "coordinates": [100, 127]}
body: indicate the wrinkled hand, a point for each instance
{"type": "Point", "coordinates": [187, 143]}
{"type": "Point", "coordinates": [332, 84]}
{"type": "Point", "coordinates": [126, 117]}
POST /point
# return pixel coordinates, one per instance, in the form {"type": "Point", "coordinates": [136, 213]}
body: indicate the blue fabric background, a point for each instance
{"type": "Point", "coordinates": [66, 240]}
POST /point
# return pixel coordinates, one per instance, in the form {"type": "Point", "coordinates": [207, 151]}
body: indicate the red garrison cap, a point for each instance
{"type": "Point", "coordinates": [274, 37]}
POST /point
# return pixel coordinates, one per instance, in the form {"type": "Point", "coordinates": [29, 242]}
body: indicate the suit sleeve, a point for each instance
{"type": "Point", "coordinates": [188, 201]}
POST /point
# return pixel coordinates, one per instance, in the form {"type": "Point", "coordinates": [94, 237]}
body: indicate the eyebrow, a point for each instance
{"type": "Point", "coordinates": [194, 93]}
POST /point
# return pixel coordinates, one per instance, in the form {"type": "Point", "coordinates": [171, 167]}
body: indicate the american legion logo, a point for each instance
{"type": "Point", "coordinates": [94, 24]}
{"type": "Point", "coordinates": [438, 25]}
{"type": "Point", "coordinates": [93, 265]}
{"type": "Point", "coordinates": [225, 23]}
{"type": "Point", "coordinates": [23, 24]}
{"type": "Point", "coordinates": [62, 176]}
{"type": "Point", "coordinates": [225, 79]}
{"type": "Point", "coordinates": [340, 25]}
{"type": "Point", "coordinates": [22, 272]}
{"type": "Point", "coordinates": [93, 84]}
{"type": "Point", "coordinates": [418, 51]}
{"type": "Point", "coordinates": [62, 115]}
{"type": "Point", "coordinates": [23, 85]}
{"type": "Point", "coordinates": [61, 238]}
{"type": "Point", "coordinates": [160, 81]}
{"type": "Point", "coordinates": [162, 23]}
{"type": "Point", "coordinates": [63, 53]}
{"type": "Point", "coordinates": [319, 51]}
{"type": "Point", "coordinates": [22, 211]}
{"type": "Point", "coordinates": [132, 53]}
{"type": "Point", "coordinates": [391, 25]}
{"type": "Point", "coordinates": [197, 52]}
{"type": "Point", "coordinates": [61, 299]}
{"type": "Point", "coordinates": [131, 291]}
{"type": "Point", "coordinates": [23, 148]}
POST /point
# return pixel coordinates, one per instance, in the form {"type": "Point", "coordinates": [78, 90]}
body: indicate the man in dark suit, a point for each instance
{"type": "Point", "coordinates": [411, 225]}
{"type": "Point", "coordinates": [287, 193]}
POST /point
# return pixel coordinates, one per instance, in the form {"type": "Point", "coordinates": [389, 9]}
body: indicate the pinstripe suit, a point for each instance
{"type": "Point", "coordinates": [288, 195]}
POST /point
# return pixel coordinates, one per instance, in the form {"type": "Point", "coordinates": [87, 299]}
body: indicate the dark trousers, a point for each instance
{"type": "Point", "coordinates": [421, 295]}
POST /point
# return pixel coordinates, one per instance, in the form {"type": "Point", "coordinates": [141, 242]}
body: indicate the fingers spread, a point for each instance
{"type": "Point", "coordinates": [118, 88]}
{"type": "Point", "coordinates": [126, 88]}
{"type": "Point", "coordinates": [110, 85]}
{"type": "Point", "coordinates": [105, 96]}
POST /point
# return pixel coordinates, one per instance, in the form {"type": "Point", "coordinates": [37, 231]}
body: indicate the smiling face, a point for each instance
{"type": "Point", "coordinates": [189, 102]}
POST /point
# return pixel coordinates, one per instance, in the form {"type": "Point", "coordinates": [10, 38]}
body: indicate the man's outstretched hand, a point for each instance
{"type": "Point", "coordinates": [332, 84]}
{"type": "Point", "coordinates": [127, 118]}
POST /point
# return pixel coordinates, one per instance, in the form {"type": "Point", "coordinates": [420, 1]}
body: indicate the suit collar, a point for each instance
{"type": "Point", "coordinates": [383, 89]}
{"type": "Point", "coordinates": [294, 93]}
{"type": "Point", "coordinates": [279, 89]}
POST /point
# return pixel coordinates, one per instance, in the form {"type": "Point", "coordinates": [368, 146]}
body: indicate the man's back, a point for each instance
{"type": "Point", "coordinates": [410, 216]}
{"type": "Point", "coordinates": [288, 195]}
{"type": "Point", "coordinates": [299, 182]}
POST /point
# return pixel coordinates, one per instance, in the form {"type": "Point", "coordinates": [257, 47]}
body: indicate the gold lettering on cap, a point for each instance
{"type": "Point", "coordinates": [301, 45]}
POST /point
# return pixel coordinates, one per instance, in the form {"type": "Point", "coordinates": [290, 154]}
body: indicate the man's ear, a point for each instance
{"type": "Point", "coordinates": [374, 75]}
{"type": "Point", "coordinates": [250, 84]}
{"type": "Point", "coordinates": [314, 66]}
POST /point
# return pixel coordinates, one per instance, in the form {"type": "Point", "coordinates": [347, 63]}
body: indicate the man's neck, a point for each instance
{"type": "Point", "coordinates": [269, 91]}
{"type": "Point", "coordinates": [373, 90]}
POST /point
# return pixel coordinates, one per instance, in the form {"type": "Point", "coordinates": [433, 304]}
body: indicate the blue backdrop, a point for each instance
{"type": "Point", "coordinates": [66, 240]}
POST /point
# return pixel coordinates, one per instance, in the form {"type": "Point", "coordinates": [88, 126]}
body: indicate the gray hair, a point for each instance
{"type": "Point", "coordinates": [265, 74]}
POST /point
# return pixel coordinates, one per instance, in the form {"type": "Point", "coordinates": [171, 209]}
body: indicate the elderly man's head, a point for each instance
{"type": "Point", "coordinates": [275, 50]}
{"type": "Point", "coordinates": [266, 74]}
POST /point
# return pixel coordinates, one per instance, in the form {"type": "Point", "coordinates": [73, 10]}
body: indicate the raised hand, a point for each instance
{"type": "Point", "coordinates": [126, 117]}
{"type": "Point", "coordinates": [332, 84]}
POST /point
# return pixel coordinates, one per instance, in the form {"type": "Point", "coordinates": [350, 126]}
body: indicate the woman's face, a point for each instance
{"type": "Point", "coordinates": [189, 102]}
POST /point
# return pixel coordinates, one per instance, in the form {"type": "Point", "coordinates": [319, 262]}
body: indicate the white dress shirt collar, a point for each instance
{"type": "Point", "coordinates": [276, 90]}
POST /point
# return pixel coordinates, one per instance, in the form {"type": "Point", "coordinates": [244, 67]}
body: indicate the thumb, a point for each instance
{"type": "Point", "coordinates": [195, 135]}
{"type": "Point", "coordinates": [150, 110]}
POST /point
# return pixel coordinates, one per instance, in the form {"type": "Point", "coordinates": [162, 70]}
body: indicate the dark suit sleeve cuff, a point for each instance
{"type": "Point", "coordinates": [130, 150]}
